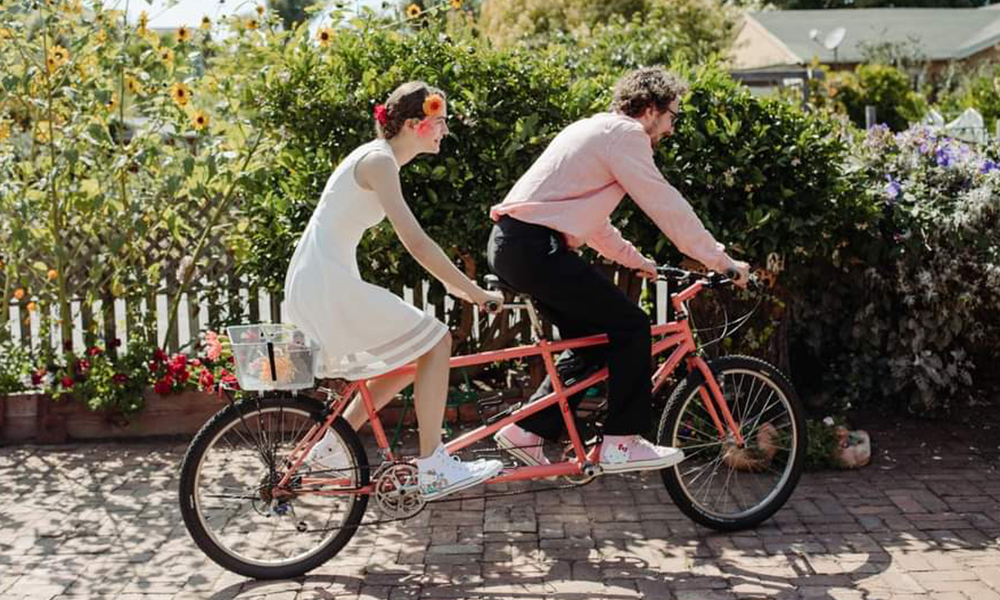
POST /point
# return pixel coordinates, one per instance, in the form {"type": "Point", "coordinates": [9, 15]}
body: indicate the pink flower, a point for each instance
{"type": "Point", "coordinates": [93, 351]}
{"type": "Point", "coordinates": [119, 379]}
{"type": "Point", "coordinates": [213, 347]}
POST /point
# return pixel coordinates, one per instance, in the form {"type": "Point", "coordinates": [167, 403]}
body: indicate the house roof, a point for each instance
{"type": "Point", "coordinates": [942, 33]}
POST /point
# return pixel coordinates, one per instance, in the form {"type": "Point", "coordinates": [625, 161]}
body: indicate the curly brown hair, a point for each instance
{"type": "Point", "coordinates": [405, 102]}
{"type": "Point", "coordinates": [653, 86]}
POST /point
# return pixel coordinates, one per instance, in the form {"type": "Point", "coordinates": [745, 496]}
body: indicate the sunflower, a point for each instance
{"type": "Point", "coordinates": [58, 56]}
{"type": "Point", "coordinates": [260, 10]}
{"type": "Point", "coordinates": [206, 23]}
{"type": "Point", "coordinates": [324, 36]}
{"type": "Point", "coordinates": [433, 105]}
{"type": "Point", "coordinates": [413, 11]}
{"type": "Point", "coordinates": [143, 21]}
{"type": "Point", "coordinates": [167, 55]}
{"type": "Point", "coordinates": [199, 120]}
{"type": "Point", "coordinates": [133, 85]}
{"type": "Point", "coordinates": [180, 94]}
{"type": "Point", "coordinates": [111, 104]}
{"type": "Point", "coordinates": [183, 34]}
{"type": "Point", "coordinates": [456, 4]}
{"type": "Point", "coordinates": [252, 24]}
{"type": "Point", "coordinates": [4, 130]}
{"type": "Point", "coordinates": [6, 34]}
{"type": "Point", "coordinates": [52, 274]}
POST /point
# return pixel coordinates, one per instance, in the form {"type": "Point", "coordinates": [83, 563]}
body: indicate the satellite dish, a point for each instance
{"type": "Point", "coordinates": [834, 38]}
{"type": "Point", "coordinates": [813, 34]}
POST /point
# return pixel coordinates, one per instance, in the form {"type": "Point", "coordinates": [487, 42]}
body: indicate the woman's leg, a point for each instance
{"type": "Point", "coordinates": [430, 393]}
{"type": "Point", "coordinates": [383, 390]}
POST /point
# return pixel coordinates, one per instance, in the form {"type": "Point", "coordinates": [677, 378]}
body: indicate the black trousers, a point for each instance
{"type": "Point", "coordinates": [581, 301]}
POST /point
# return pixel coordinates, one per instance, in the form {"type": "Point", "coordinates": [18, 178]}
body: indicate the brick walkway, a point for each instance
{"type": "Point", "coordinates": [922, 522]}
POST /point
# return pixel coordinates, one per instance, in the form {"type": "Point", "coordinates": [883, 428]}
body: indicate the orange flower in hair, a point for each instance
{"type": "Point", "coordinates": [433, 105]}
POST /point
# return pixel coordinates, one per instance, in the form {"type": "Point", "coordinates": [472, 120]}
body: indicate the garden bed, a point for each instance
{"type": "Point", "coordinates": [34, 417]}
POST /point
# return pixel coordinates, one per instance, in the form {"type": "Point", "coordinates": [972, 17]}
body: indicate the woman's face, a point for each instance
{"type": "Point", "coordinates": [431, 130]}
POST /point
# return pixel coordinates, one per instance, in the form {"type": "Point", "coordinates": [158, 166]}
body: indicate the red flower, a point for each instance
{"type": "Point", "coordinates": [67, 382]}
{"type": "Point", "coordinates": [159, 355]}
{"type": "Point", "coordinates": [206, 380]}
{"type": "Point", "coordinates": [154, 366]}
{"type": "Point", "coordinates": [381, 114]}
{"type": "Point", "coordinates": [81, 366]}
{"type": "Point", "coordinates": [93, 351]}
{"type": "Point", "coordinates": [164, 386]}
{"type": "Point", "coordinates": [115, 343]}
{"type": "Point", "coordinates": [195, 362]}
{"type": "Point", "coordinates": [177, 365]}
{"type": "Point", "coordinates": [119, 379]}
{"type": "Point", "coordinates": [37, 377]}
{"type": "Point", "coordinates": [68, 345]}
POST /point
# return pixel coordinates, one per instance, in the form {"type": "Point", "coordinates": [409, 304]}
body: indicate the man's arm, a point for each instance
{"type": "Point", "coordinates": [610, 243]}
{"type": "Point", "coordinates": [630, 159]}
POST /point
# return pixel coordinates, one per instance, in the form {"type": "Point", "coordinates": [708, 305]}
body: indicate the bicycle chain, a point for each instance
{"type": "Point", "coordinates": [452, 499]}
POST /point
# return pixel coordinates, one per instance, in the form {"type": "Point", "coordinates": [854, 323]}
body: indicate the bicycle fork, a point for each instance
{"type": "Point", "coordinates": [715, 402]}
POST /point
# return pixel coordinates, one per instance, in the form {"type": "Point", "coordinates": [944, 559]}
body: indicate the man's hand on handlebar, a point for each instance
{"type": "Point", "coordinates": [648, 269]}
{"type": "Point", "coordinates": [741, 276]}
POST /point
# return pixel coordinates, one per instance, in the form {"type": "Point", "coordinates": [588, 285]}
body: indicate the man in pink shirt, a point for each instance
{"type": "Point", "coordinates": [564, 201]}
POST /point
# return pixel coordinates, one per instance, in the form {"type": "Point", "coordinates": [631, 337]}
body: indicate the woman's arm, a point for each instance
{"type": "Point", "coordinates": [377, 172]}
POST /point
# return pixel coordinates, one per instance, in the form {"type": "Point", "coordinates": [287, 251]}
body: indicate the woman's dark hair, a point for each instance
{"type": "Point", "coordinates": [405, 102]}
{"type": "Point", "coordinates": [652, 86]}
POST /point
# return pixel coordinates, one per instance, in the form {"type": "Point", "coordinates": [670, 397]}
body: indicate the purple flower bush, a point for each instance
{"type": "Point", "coordinates": [923, 294]}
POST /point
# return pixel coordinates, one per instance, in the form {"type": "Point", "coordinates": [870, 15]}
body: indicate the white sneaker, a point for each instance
{"type": "Point", "coordinates": [441, 474]}
{"type": "Point", "coordinates": [329, 455]}
{"type": "Point", "coordinates": [621, 453]}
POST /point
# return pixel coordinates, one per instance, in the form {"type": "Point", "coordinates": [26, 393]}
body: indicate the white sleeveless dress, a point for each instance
{"type": "Point", "coordinates": [364, 330]}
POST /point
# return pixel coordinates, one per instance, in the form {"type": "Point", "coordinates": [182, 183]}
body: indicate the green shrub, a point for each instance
{"type": "Point", "coordinates": [885, 87]}
{"type": "Point", "coordinates": [317, 104]}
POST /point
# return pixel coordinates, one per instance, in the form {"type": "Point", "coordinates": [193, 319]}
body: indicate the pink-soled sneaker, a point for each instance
{"type": "Point", "coordinates": [622, 453]}
{"type": "Point", "coordinates": [522, 444]}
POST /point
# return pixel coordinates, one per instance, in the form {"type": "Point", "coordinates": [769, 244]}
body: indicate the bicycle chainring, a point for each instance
{"type": "Point", "coordinates": [397, 493]}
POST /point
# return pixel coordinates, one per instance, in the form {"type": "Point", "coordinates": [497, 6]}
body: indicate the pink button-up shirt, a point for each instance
{"type": "Point", "coordinates": [577, 182]}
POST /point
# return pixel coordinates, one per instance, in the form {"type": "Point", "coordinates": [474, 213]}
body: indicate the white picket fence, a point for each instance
{"type": "Point", "coordinates": [193, 318]}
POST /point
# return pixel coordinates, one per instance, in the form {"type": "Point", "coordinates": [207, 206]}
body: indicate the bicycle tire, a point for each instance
{"type": "Point", "coordinates": [242, 415]}
{"type": "Point", "coordinates": [681, 426]}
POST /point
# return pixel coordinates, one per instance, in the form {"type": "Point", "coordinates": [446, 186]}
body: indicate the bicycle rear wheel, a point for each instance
{"type": "Point", "coordinates": [720, 484]}
{"type": "Point", "coordinates": [226, 481]}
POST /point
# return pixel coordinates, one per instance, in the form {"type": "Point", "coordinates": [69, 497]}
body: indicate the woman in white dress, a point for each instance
{"type": "Point", "coordinates": [366, 330]}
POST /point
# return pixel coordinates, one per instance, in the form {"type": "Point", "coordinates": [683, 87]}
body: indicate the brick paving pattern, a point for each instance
{"type": "Point", "coordinates": [922, 522]}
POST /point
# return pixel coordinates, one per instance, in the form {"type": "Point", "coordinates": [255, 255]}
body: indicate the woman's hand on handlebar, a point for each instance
{"type": "Point", "coordinates": [491, 302]}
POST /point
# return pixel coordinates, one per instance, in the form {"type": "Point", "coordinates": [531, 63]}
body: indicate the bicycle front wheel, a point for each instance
{"type": "Point", "coordinates": [227, 487]}
{"type": "Point", "coordinates": [722, 484]}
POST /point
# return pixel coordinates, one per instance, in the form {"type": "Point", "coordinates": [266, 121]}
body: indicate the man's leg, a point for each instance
{"type": "Point", "coordinates": [584, 298]}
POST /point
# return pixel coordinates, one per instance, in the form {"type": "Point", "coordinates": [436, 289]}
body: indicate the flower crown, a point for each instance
{"type": "Point", "coordinates": [433, 107]}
